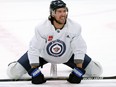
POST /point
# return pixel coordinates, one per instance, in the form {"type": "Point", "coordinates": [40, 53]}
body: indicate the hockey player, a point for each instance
{"type": "Point", "coordinates": [57, 40]}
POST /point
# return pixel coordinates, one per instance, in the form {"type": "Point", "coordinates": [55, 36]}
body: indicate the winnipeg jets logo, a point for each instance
{"type": "Point", "coordinates": [56, 48]}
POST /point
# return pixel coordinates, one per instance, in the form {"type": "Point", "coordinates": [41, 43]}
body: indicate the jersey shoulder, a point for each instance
{"type": "Point", "coordinates": [73, 26]}
{"type": "Point", "coordinates": [43, 27]}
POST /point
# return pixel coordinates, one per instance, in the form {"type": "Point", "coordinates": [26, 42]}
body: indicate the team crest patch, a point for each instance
{"type": "Point", "coordinates": [56, 48]}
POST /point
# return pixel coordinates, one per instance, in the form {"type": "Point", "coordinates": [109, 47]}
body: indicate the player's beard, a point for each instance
{"type": "Point", "coordinates": [59, 22]}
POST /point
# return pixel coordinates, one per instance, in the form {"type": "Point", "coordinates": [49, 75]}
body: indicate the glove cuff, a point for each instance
{"type": "Point", "coordinates": [35, 72]}
{"type": "Point", "coordinates": [78, 71]}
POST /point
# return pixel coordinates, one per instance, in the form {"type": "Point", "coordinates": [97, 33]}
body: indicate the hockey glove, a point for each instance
{"type": "Point", "coordinates": [37, 76]}
{"type": "Point", "coordinates": [76, 75]}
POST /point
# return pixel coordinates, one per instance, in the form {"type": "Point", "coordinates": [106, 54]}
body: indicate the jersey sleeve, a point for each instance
{"type": "Point", "coordinates": [79, 47]}
{"type": "Point", "coordinates": [35, 47]}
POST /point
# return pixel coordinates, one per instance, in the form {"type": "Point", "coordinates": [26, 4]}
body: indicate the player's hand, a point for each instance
{"type": "Point", "coordinates": [37, 76]}
{"type": "Point", "coordinates": [76, 75]}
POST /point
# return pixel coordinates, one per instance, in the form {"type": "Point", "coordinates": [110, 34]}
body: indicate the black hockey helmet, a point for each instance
{"type": "Point", "coordinates": [55, 4]}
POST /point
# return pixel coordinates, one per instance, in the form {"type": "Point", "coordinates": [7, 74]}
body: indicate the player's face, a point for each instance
{"type": "Point", "coordinates": [60, 15]}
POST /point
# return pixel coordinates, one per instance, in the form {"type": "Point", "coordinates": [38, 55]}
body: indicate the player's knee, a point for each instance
{"type": "Point", "coordinates": [15, 70]}
{"type": "Point", "coordinates": [94, 69]}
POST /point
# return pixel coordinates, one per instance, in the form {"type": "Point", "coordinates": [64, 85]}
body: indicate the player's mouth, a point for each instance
{"type": "Point", "coordinates": [63, 19]}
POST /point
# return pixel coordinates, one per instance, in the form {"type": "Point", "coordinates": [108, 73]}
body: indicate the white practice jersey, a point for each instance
{"type": "Point", "coordinates": [57, 46]}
